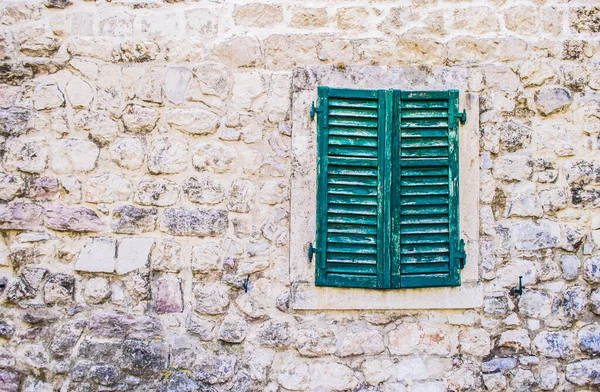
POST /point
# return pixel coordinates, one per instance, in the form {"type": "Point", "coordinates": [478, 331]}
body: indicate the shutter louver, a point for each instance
{"type": "Point", "coordinates": [425, 201]}
{"type": "Point", "coordinates": [349, 194]}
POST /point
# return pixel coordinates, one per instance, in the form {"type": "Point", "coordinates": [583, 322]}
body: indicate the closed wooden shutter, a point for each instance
{"type": "Point", "coordinates": [425, 221]}
{"type": "Point", "coordinates": [387, 199]}
{"type": "Point", "coordinates": [351, 170]}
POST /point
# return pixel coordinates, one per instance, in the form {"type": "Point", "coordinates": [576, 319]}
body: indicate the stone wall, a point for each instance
{"type": "Point", "coordinates": [145, 169]}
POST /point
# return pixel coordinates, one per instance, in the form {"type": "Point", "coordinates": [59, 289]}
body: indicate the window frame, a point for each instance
{"type": "Point", "coordinates": [304, 293]}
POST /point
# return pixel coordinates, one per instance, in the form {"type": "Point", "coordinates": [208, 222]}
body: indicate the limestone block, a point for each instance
{"type": "Point", "coordinates": [43, 188]}
{"type": "Point", "coordinates": [498, 364]}
{"type": "Point", "coordinates": [213, 156]}
{"type": "Point", "coordinates": [97, 255]}
{"type": "Point", "coordinates": [535, 304]}
{"type": "Point", "coordinates": [38, 42]}
{"type": "Point", "coordinates": [513, 167]}
{"type": "Point", "coordinates": [22, 216]}
{"type": "Point", "coordinates": [241, 196]}
{"type": "Point", "coordinates": [159, 192]}
{"type": "Point", "coordinates": [59, 289]}
{"type": "Point", "coordinates": [308, 17]}
{"type": "Point", "coordinates": [240, 52]}
{"type": "Point", "coordinates": [589, 339]}
{"type": "Point", "coordinates": [377, 370]}
{"type": "Point", "coordinates": [585, 19]}
{"type": "Point", "coordinates": [585, 372]}
{"type": "Point", "coordinates": [250, 90]}
{"type": "Point", "coordinates": [167, 156]}
{"type": "Point", "coordinates": [194, 222]}
{"type": "Point", "coordinates": [475, 341]}
{"type": "Point", "coordinates": [167, 295]}
{"type": "Point", "coordinates": [139, 119]}
{"type": "Point", "coordinates": [27, 154]}
{"type": "Point", "coordinates": [353, 18]}
{"type": "Point", "coordinates": [116, 24]}
{"type": "Point", "coordinates": [202, 22]}
{"type": "Point", "coordinates": [11, 186]}
{"type": "Point", "coordinates": [48, 96]}
{"type": "Point", "coordinates": [591, 269]}
{"type": "Point", "coordinates": [202, 328]}
{"type": "Point", "coordinates": [101, 127]}
{"type": "Point", "coordinates": [523, 200]}
{"type": "Point", "coordinates": [15, 120]}
{"type": "Point", "coordinates": [258, 15]}
{"type": "Point", "coordinates": [555, 344]}
{"type": "Point", "coordinates": [79, 93]}
{"type": "Point", "coordinates": [107, 188]}
{"type": "Point", "coordinates": [595, 301]}
{"type": "Point", "coordinates": [357, 339]}
{"type": "Point", "coordinates": [70, 218]}
{"type": "Point", "coordinates": [522, 19]}
{"type": "Point", "coordinates": [552, 99]}
{"type": "Point", "coordinates": [127, 152]}
{"type": "Point", "coordinates": [206, 257]}
{"type": "Point", "coordinates": [134, 220]}
{"type": "Point", "coordinates": [74, 155]}
{"type": "Point", "coordinates": [292, 373]}
{"type": "Point", "coordinates": [97, 290]}
{"type": "Point", "coordinates": [177, 80]}
{"type": "Point", "coordinates": [476, 19]}
{"type": "Point", "coordinates": [203, 190]}
{"type": "Point", "coordinates": [193, 121]}
{"type": "Point", "coordinates": [132, 254]}
{"type": "Point", "coordinates": [528, 235]}
{"type": "Point", "coordinates": [233, 329]}
{"type": "Point", "coordinates": [333, 376]}
{"type": "Point", "coordinates": [210, 298]}
{"type": "Point", "coordinates": [570, 266]}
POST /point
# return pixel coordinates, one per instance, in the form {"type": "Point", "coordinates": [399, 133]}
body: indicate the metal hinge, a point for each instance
{"type": "Point", "coordinates": [461, 256]}
{"type": "Point", "coordinates": [314, 110]}
{"type": "Point", "coordinates": [462, 117]}
{"type": "Point", "coordinates": [311, 251]}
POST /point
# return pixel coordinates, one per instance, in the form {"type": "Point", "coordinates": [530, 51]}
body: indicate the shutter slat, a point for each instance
{"type": "Point", "coordinates": [353, 132]}
{"type": "Point", "coordinates": [351, 268]}
{"type": "Point", "coordinates": [423, 95]}
{"type": "Point", "coordinates": [424, 104]}
{"type": "Point", "coordinates": [351, 229]}
{"type": "Point", "coordinates": [430, 268]}
{"type": "Point", "coordinates": [424, 229]}
{"type": "Point", "coordinates": [424, 191]}
{"type": "Point", "coordinates": [424, 172]}
{"type": "Point", "coordinates": [360, 113]}
{"type": "Point", "coordinates": [425, 114]}
{"type": "Point", "coordinates": [347, 141]}
{"type": "Point", "coordinates": [426, 259]}
{"type": "Point", "coordinates": [350, 161]}
{"type": "Point", "coordinates": [353, 200]}
{"type": "Point", "coordinates": [425, 200]}
{"type": "Point", "coordinates": [352, 171]}
{"type": "Point", "coordinates": [353, 152]}
{"type": "Point", "coordinates": [424, 180]}
{"type": "Point", "coordinates": [423, 249]}
{"type": "Point", "coordinates": [434, 123]}
{"type": "Point", "coordinates": [352, 103]}
{"type": "Point", "coordinates": [352, 220]}
{"type": "Point", "coordinates": [424, 210]}
{"type": "Point", "coordinates": [352, 122]}
{"type": "Point", "coordinates": [424, 239]}
{"type": "Point", "coordinates": [344, 258]}
{"type": "Point", "coordinates": [352, 248]}
{"type": "Point", "coordinates": [422, 142]}
{"type": "Point", "coordinates": [431, 162]}
{"type": "Point", "coordinates": [423, 132]}
{"type": "Point", "coordinates": [342, 209]}
{"type": "Point", "coordinates": [352, 191]}
{"type": "Point", "coordinates": [352, 239]}
{"type": "Point", "coordinates": [424, 152]}
{"type": "Point", "coordinates": [423, 219]}
{"type": "Point", "coordinates": [349, 180]}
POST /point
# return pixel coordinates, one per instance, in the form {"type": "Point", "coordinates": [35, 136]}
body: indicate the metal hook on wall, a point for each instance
{"type": "Point", "coordinates": [246, 283]}
{"type": "Point", "coordinates": [517, 290]}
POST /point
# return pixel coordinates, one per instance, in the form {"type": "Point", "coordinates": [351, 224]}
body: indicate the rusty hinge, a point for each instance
{"type": "Point", "coordinates": [314, 110]}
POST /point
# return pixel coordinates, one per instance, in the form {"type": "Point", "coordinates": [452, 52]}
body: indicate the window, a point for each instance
{"type": "Point", "coordinates": [388, 189]}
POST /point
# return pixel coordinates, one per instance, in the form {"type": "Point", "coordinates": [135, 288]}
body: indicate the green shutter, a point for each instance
{"type": "Point", "coordinates": [425, 222]}
{"type": "Point", "coordinates": [350, 197]}
{"type": "Point", "coordinates": [387, 198]}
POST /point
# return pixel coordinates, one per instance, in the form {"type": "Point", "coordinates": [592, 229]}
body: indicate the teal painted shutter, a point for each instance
{"type": "Point", "coordinates": [351, 187]}
{"type": "Point", "coordinates": [425, 222]}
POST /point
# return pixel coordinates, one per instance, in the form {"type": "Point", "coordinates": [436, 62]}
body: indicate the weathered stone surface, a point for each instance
{"type": "Point", "coordinates": [233, 329]}
{"type": "Point", "coordinates": [241, 196]}
{"type": "Point", "coordinates": [74, 155]}
{"type": "Point", "coordinates": [214, 157]}
{"type": "Point", "coordinates": [59, 289]}
{"type": "Point", "coordinates": [97, 255]}
{"type": "Point", "coordinates": [475, 341]}
{"type": "Point", "coordinates": [258, 14]}
{"type": "Point", "coordinates": [43, 188]}
{"type": "Point", "coordinates": [240, 52]}
{"type": "Point", "coordinates": [167, 295]}
{"type": "Point", "coordinates": [212, 298]}
{"type": "Point", "coordinates": [275, 334]}
{"type": "Point", "coordinates": [194, 222]}
{"type": "Point", "coordinates": [160, 192]}
{"type": "Point", "coordinates": [589, 339]}
{"type": "Point", "coordinates": [133, 253]}
{"type": "Point", "coordinates": [167, 256]}
{"type": "Point", "coordinates": [591, 269]}
{"type": "Point", "coordinates": [27, 154]}
{"type": "Point", "coordinates": [498, 364]}
{"type": "Point", "coordinates": [548, 378]}
{"type": "Point", "coordinates": [134, 220]}
{"type": "Point", "coordinates": [570, 266]}
{"type": "Point", "coordinates": [202, 328]}
{"type": "Point", "coordinates": [332, 377]}
{"type": "Point", "coordinates": [412, 337]}
{"type": "Point", "coordinates": [11, 186]}
{"type": "Point", "coordinates": [107, 188]}
{"type": "Point", "coordinates": [128, 153]}
{"type": "Point", "coordinates": [97, 290]}
{"type": "Point", "coordinates": [177, 80]}
{"type": "Point", "coordinates": [22, 216]}
{"type": "Point", "coordinates": [586, 372]}
{"type": "Point", "coordinates": [15, 120]}
{"type": "Point", "coordinates": [206, 257]}
{"type": "Point", "coordinates": [595, 301]}
{"type": "Point", "coordinates": [139, 119]}
{"type": "Point", "coordinates": [65, 337]}
{"type": "Point", "coordinates": [535, 304]}
{"type": "Point", "coordinates": [552, 99]}
{"type": "Point", "coordinates": [513, 167]}
{"type": "Point", "coordinates": [48, 96]}
{"type": "Point", "coordinates": [79, 93]}
{"type": "Point", "coordinates": [167, 156]}
{"type": "Point", "coordinates": [517, 339]}
{"type": "Point", "coordinates": [101, 127]}
{"type": "Point", "coordinates": [555, 344]}
{"type": "Point", "coordinates": [10, 380]}
{"type": "Point", "coordinates": [66, 218]}
{"type": "Point", "coordinates": [144, 359]}
{"type": "Point", "coordinates": [292, 374]}
{"type": "Point", "coordinates": [203, 190]}
{"type": "Point", "coordinates": [574, 301]}
{"type": "Point", "coordinates": [357, 339]}
{"type": "Point", "coordinates": [528, 235]}
{"type": "Point", "coordinates": [193, 121]}
{"type": "Point", "coordinates": [123, 326]}
{"type": "Point", "coordinates": [585, 19]}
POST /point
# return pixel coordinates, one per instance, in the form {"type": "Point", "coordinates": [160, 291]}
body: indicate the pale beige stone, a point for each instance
{"type": "Point", "coordinates": [308, 17]}
{"type": "Point", "coordinates": [258, 14]}
{"type": "Point", "coordinates": [79, 93]}
{"type": "Point", "coordinates": [476, 19]}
